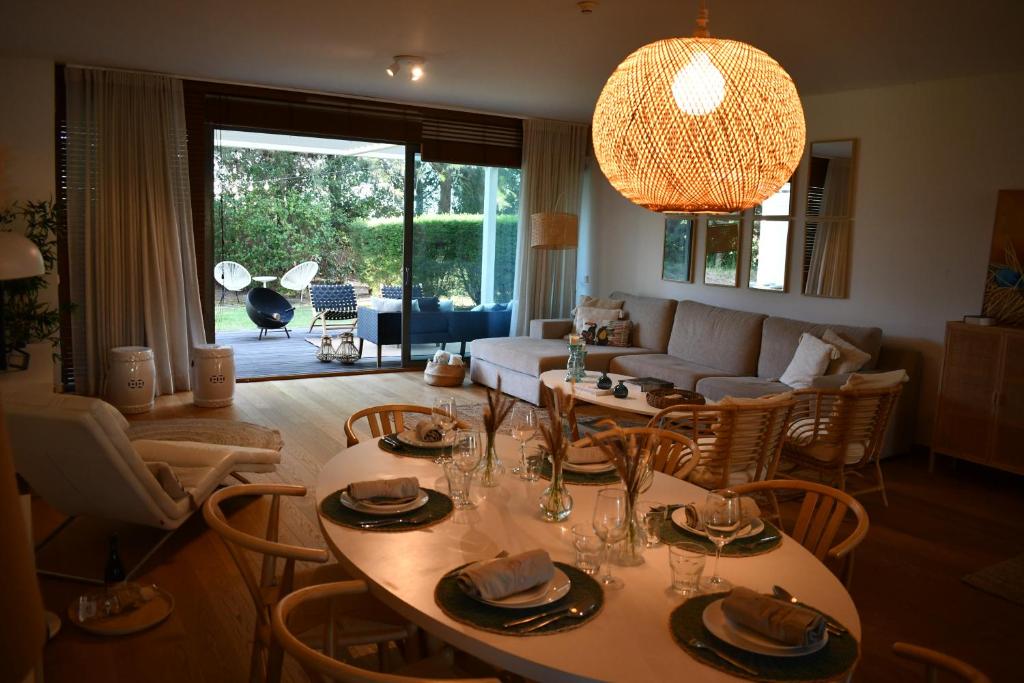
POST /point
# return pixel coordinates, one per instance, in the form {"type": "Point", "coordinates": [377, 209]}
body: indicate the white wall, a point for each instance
{"type": "Point", "coordinates": [932, 156]}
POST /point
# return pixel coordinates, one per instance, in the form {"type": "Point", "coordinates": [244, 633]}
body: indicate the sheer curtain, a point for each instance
{"type": "Point", "coordinates": [552, 180]}
{"type": "Point", "coordinates": [131, 251]}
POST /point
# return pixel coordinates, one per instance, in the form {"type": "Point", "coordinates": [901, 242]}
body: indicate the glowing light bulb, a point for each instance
{"type": "Point", "coordinates": [699, 87]}
{"type": "Point", "coordinates": [417, 72]}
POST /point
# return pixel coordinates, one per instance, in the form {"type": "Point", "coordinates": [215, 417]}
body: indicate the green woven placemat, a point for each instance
{"type": "Point", "coordinates": [830, 663]}
{"type": "Point", "coordinates": [464, 609]}
{"type": "Point", "coordinates": [405, 450]}
{"type": "Point", "coordinates": [581, 478]}
{"type": "Point", "coordinates": [767, 540]}
{"type": "Point", "coordinates": [437, 509]}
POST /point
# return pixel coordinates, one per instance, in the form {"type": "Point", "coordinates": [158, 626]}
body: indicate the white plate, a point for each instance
{"type": "Point", "coordinates": [544, 594]}
{"type": "Point", "coordinates": [589, 468]}
{"type": "Point", "coordinates": [408, 437]}
{"type": "Point", "coordinates": [679, 519]}
{"type": "Point", "coordinates": [384, 509]}
{"type": "Point", "coordinates": [723, 628]}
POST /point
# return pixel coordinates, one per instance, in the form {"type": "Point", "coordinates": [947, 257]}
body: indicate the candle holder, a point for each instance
{"type": "Point", "coordinates": [347, 352]}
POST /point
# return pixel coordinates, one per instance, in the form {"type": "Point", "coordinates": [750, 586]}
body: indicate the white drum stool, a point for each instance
{"type": "Point", "coordinates": [131, 379]}
{"type": "Point", "coordinates": [213, 375]}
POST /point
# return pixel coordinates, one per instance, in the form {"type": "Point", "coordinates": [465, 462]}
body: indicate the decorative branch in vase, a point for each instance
{"type": "Point", "coordinates": [555, 501]}
{"type": "Point", "coordinates": [631, 457]}
{"type": "Point", "coordinates": [497, 409]}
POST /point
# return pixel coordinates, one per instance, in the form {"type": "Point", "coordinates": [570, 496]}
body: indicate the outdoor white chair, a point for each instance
{"type": "Point", "coordinates": [77, 453]}
{"type": "Point", "coordinates": [232, 277]}
{"type": "Point", "coordinates": [298, 278]}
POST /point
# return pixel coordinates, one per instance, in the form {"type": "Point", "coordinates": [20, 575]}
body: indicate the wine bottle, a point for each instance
{"type": "Point", "coordinates": [114, 572]}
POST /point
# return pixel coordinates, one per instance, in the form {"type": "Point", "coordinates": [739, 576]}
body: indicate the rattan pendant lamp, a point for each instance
{"type": "Point", "coordinates": [698, 125]}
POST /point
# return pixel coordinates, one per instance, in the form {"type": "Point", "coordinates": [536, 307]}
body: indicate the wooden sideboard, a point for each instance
{"type": "Point", "coordinates": [980, 412]}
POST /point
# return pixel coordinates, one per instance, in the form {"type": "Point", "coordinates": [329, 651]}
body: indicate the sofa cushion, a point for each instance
{"type": "Point", "coordinates": [718, 337]}
{"type": "Point", "coordinates": [532, 356]}
{"type": "Point", "coordinates": [810, 360]}
{"type": "Point", "coordinates": [717, 388]}
{"type": "Point", "coordinates": [652, 320]}
{"type": "Point", "coordinates": [780, 337]}
{"type": "Point", "coordinates": [683, 374]}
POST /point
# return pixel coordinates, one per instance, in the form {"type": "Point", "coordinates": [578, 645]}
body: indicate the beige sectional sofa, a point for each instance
{"type": "Point", "coordinates": [716, 351]}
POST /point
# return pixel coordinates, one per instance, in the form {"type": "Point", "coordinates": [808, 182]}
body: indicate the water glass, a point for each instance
{"type": "Point", "coordinates": [611, 521]}
{"type": "Point", "coordinates": [458, 484]}
{"type": "Point", "coordinates": [532, 466]}
{"type": "Point", "coordinates": [466, 456]}
{"type": "Point", "coordinates": [723, 519]}
{"type": "Point", "coordinates": [445, 413]}
{"type": "Point", "coordinates": [588, 548]}
{"type": "Point", "coordinates": [524, 427]}
{"type": "Point", "coordinates": [652, 515]}
{"type": "Point", "coordinates": [687, 562]}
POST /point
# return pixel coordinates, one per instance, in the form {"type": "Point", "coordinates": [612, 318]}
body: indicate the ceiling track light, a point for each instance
{"type": "Point", "coordinates": [409, 65]}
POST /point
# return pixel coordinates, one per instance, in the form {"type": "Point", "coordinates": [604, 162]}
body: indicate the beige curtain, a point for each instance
{"type": "Point", "coordinates": [552, 180]}
{"type": "Point", "coordinates": [829, 262]}
{"type": "Point", "coordinates": [131, 251]}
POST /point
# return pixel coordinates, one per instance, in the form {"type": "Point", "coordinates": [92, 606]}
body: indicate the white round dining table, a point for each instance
{"type": "Point", "coordinates": [628, 641]}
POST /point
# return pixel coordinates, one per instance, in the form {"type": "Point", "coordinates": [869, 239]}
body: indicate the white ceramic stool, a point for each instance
{"type": "Point", "coordinates": [213, 375]}
{"type": "Point", "coordinates": [131, 379]}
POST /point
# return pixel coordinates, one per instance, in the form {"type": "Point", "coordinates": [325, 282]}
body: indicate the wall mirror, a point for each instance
{"type": "Point", "coordinates": [722, 251]}
{"type": "Point", "coordinates": [677, 254]}
{"type": "Point", "coordinates": [831, 176]}
{"type": "Point", "coordinates": [769, 240]}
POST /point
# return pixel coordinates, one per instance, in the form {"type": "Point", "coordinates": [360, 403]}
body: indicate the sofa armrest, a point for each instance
{"type": "Point", "coordinates": [550, 328]}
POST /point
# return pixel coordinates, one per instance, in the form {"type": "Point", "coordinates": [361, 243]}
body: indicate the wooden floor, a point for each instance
{"type": "Point", "coordinates": [906, 586]}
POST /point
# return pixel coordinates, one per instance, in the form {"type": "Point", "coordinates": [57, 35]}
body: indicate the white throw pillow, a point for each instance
{"type": "Point", "coordinates": [385, 305]}
{"type": "Point", "coordinates": [810, 360]}
{"type": "Point", "coordinates": [586, 315]}
{"type": "Point", "coordinates": [851, 359]}
{"type": "Point", "coordinates": [876, 380]}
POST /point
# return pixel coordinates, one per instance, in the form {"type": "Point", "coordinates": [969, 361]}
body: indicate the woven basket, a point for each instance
{"type": "Point", "coordinates": [444, 375]}
{"type": "Point", "coordinates": [663, 398]}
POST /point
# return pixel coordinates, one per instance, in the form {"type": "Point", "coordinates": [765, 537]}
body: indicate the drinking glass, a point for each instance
{"type": "Point", "coordinates": [444, 413]}
{"type": "Point", "coordinates": [466, 456]}
{"type": "Point", "coordinates": [652, 515]}
{"type": "Point", "coordinates": [687, 562]}
{"type": "Point", "coordinates": [610, 524]}
{"type": "Point", "coordinates": [456, 483]}
{"type": "Point", "coordinates": [524, 428]}
{"type": "Point", "coordinates": [722, 521]}
{"type": "Point", "coordinates": [588, 548]}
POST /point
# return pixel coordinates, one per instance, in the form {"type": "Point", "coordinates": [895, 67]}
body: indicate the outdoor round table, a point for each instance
{"type": "Point", "coordinates": [628, 641]}
{"type": "Point", "coordinates": [264, 280]}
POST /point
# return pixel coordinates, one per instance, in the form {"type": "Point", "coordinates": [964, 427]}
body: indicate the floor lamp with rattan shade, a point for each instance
{"type": "Point", "coordinates": [553, 230]}
{"type": "Point", "coordinates": [22, 627]}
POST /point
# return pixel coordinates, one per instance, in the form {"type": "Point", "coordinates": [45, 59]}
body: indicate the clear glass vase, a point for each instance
{"type": "Point", "coordinates": [629, 552]}
{"type": "Point", "coordinates": [491, 467]}
{"type": "Point", "coordinates": [555, 502]}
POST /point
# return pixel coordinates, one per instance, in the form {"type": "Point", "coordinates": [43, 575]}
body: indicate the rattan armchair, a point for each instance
{"type": "Point", "coordinates": [739, 440]}
{"type": "Point", "coordinates": [837, 432]}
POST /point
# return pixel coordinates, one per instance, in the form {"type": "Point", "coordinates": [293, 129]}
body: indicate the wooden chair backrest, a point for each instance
{"type": "Point", "coordinates": [671, 452]}
{"type": "Point", "coordinates": [838, 418]}
{"type": "Point", "coordinates": [731, 438]}
{"type": "Point", "coordinates": [318, 665]}
{"type": "Point", "coordinates": [385, 419]}
{"type": "Point", "coordinates": [935, 661]}
{"type": "Point", "coordinates": [818, 521]}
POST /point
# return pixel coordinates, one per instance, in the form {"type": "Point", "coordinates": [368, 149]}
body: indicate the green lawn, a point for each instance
{"type": "Point", "coordinates": [231, 317]}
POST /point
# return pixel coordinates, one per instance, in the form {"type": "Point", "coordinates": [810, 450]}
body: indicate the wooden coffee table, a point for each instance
{"type": "Point", "coordinates": [635, 403]}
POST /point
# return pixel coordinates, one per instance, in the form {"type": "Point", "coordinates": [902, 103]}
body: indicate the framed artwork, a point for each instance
{"type": "Point", "coordinates": [677, 255]}
{"type": "Point", "coordinates": [722, 252]}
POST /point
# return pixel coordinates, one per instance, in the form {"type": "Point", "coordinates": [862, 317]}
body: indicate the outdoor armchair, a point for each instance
{"type": "Point", "coordinates": [232, 277]}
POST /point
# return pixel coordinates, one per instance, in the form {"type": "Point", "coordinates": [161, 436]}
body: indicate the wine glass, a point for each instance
{"type": "Point", "coordinates": [444, 413]}
{"type": "Point", "coordinates": [723, 520]}
{"type": "Point", "coordinates": [610, 524]}
{"type": "Point", "coordinates": [467, 454]}
{"type": "Point", "coordinates": [524, 428]}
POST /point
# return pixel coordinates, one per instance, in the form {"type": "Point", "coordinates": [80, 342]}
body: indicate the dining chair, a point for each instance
{"type": "Point", "coordinates": [821, 514]}
{"type": "Point", "coordinates": [935, 662]}
{"type": "Point", "coordinates": [386, 419]}
{"type": "Point", "coordinates": [323, 666]}
{"type": "Point", "coordinates": [740, 440]}
{"type": "Point", "coordinates": [672, 453]}
{"type": "Point", "coordinates": [837, 432]}
{"type": "Point", "coordinates": [367, 622]}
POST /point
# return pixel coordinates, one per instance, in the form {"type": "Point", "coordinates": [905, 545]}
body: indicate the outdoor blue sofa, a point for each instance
{"type": "Point", "coordinates": [431, 327]}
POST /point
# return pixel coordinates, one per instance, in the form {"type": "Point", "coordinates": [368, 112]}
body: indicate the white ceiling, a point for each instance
{"type": "Point", "coordinates": [528, 57]}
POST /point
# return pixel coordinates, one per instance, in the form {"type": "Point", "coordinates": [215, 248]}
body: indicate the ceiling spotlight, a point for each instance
{"type": "Point", "coordinates": [412, 64]}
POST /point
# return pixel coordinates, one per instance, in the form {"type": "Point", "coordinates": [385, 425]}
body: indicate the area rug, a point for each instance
{"type": "Point", "coordinates": [1005, 579]}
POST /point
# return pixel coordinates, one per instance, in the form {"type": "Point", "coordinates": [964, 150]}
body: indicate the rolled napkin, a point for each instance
{"type": "Point", "coordinates": [586, 455]}
{"type": "Point", "coordinates": [782, 621]}
{"type": "Point", "coordinates": [404, 487]}
{"type": "Point", "coordinates": [455, 360]}
{"type": "Point", "coordinates": [502, 577]}
{"type": "Point", "coordinates": [428, 431]}
{"type": "Point", "coordinates": [441, 356]}
{"type": "Point", "coordinates": [695, 511]}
